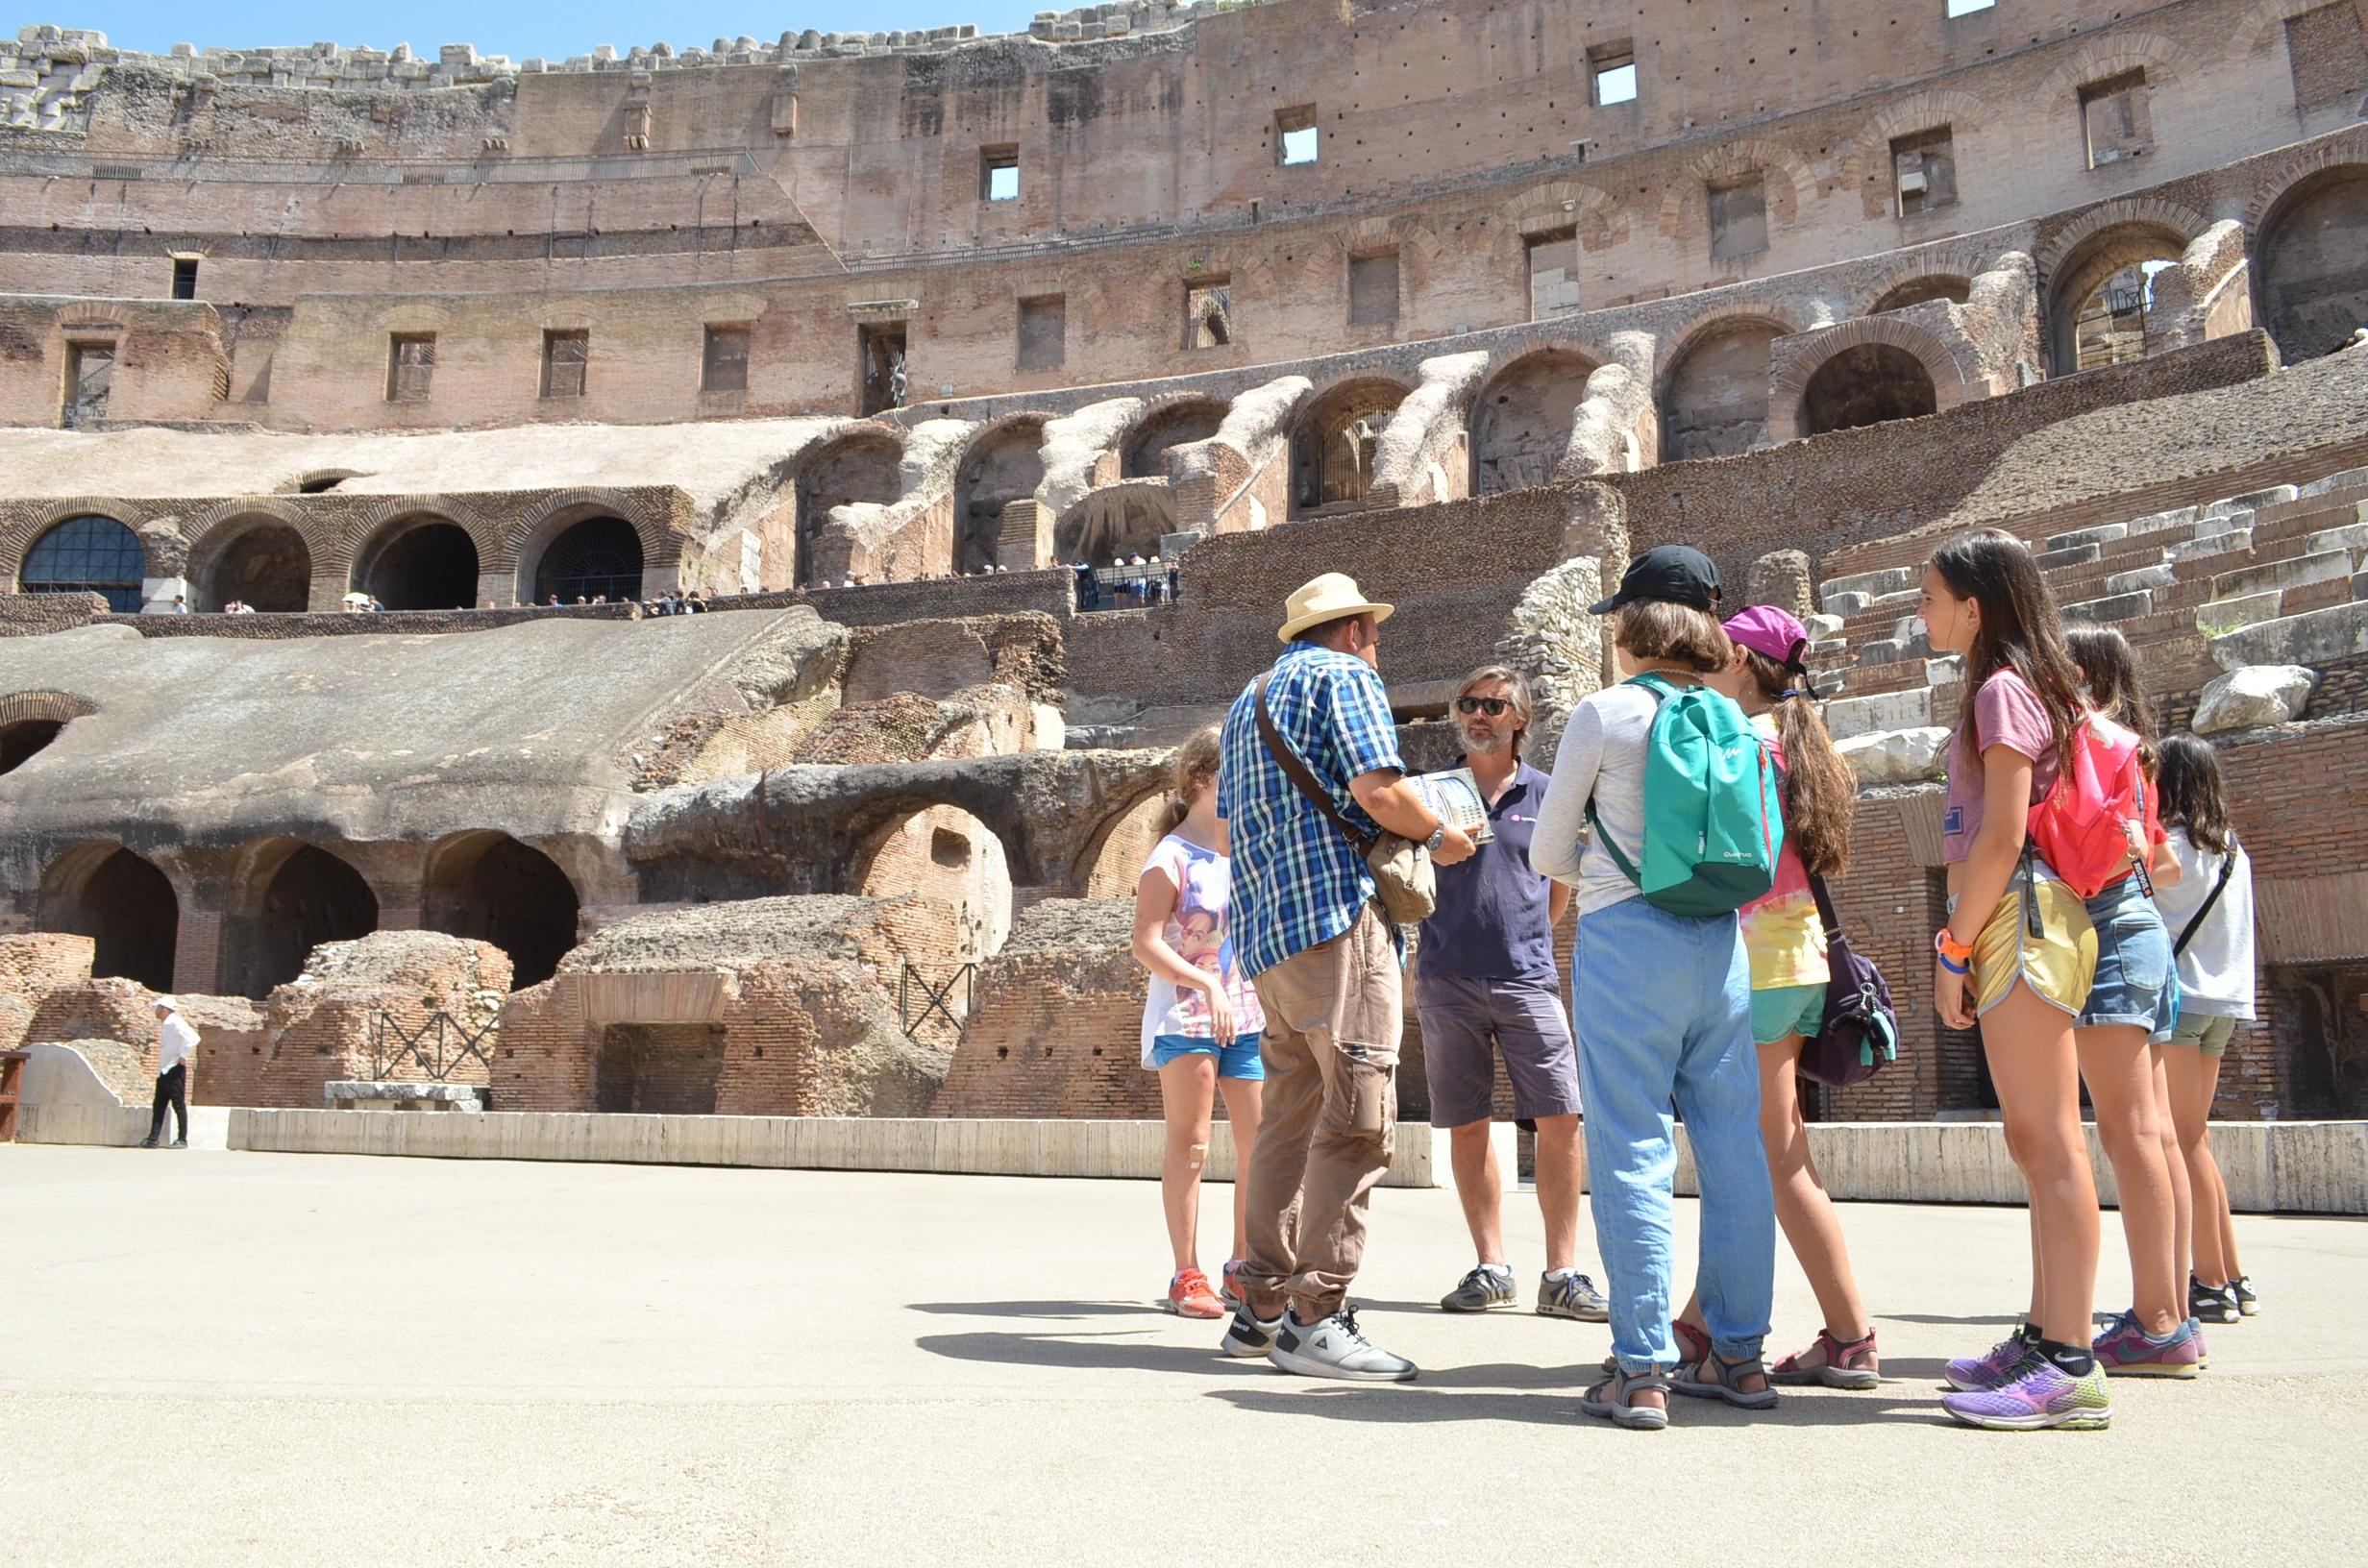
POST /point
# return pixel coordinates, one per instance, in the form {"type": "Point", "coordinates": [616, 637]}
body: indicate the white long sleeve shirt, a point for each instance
{"type": "Point", "coordinates": [176, 1044]}
{"type": "Point", "coordinates": [1602, 756]}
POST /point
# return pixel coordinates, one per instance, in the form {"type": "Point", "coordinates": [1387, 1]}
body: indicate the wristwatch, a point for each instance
{"type": "Point", "coordinates": [1439, 836]}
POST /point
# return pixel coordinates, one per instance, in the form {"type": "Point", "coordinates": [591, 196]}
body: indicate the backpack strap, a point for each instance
{"type": "Point", "coordinates": [1663, 690]}
{"type": "Point", "coordinates": [1302, 778]}
{"type": "Point", "coordinates": [2195, 922]}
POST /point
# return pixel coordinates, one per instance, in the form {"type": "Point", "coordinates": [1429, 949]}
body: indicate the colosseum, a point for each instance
{"type": "Point", "coordinates": [991, 392]}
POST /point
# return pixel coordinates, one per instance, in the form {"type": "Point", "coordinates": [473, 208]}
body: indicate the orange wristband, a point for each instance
{"type": "Point", "coordinates": [1956, 952]}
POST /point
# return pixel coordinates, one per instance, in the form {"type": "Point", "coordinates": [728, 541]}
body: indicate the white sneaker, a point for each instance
{"type": "Point", "coordinates": [1250, 1336]}
{"type": "Point", "coordinates": [1333, 1348]}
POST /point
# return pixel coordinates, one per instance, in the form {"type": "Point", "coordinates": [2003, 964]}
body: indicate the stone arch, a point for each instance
{"type": "Point", "coordinates": [1599, 218]}
{"type": "Point", "coordinates": [2099, 291]}
{"type": "Point", "coordinates": [1928, 110]}
{"type": "Point", "coordinates": [862, 463]}
{"type": "Point", "coordinates": [1336, 438]}
{"type": "Point", "coordinates": [287, 898]}
{"type": "Point", "coordinates": [2161, 59]}
{"type": "Point", "coordinates": [584, 543]}
{"type": "Point", "coordinates": [1144, 453]}
{"type": "Point", "coordinates": [487, 886]}
{"type": "Point", "coordinates": [2267, 19]}
{"type": "Point", "coordinates": [2064, 246]}
{"type": "Point", "coordinates": [86, 552]}
{"type": "Point", "coordinates": [418, 560]}
{"type": "Point", "coordinates": [1864, 372]}
{"type": "Point", "coordinates": [1520, 419]}
{"type": "Point", "coordinates": [1790, 182]}
{"type": "Point", "coordinates": [123, 903]}
{"type": "Point", "coordinates": [257, 554]}
{"type": "Point", "coordinates": [2310, 270]}
{"type": "Point", "coordinates": [1111, 863]}
{"type": "Point", "coordinates": [941, 852]}
{"type": "Point", "coordinates": [29, 720]}
{"type": "Point", "coordinates": [519, 549]}
{"type": "Point", "coordinates": [1713, 397]}
{"type": "Point", "coordinates": [1922, 288]}
{"type": "Point", "coordinates": [1004, 462]}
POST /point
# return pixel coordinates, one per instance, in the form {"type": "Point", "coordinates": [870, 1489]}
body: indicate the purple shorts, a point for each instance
{"type": "Point", "coordinates": [1465, 1022]}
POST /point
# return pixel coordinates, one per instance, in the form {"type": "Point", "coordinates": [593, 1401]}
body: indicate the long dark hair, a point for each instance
{"type": "Point", "coordinates": [2020, 630]}
{"type": "Point", "coordinates": [1821, 791]}
{"type": "Point", "coordinates": [2192, 794]}
{"type": "Point", "coordinates": [2114, 688]}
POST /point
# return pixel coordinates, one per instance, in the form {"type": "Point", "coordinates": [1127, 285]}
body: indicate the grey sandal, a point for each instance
{"type": "Point", "coordinates": [1613, 1406]}
{"type": "Point", "coordinates": [1723, 1381]}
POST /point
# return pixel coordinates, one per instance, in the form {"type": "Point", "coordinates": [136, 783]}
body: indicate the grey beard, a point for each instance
{"type": "Point", "coordinates": [1490, 746]}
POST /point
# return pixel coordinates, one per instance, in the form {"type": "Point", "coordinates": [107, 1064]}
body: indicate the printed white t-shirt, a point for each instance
{"type": "Point", "coordinates": [1200, 932]}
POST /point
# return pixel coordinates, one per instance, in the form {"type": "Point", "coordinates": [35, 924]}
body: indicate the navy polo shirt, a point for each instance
{"type": "Point", "coordinates": [1490, 923]}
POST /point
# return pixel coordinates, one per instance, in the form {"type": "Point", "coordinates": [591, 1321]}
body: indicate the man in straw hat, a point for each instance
{"type": "Point", "coordinates": [1325, 959]}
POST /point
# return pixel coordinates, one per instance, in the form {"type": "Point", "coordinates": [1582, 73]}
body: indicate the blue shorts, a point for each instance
{"type": "Point", "coordinates": [2136, 983]}
{"type": "Point", "coordinates": [1239, 1059]}
{"type": "Point", "coordinates": [1782, 1010]}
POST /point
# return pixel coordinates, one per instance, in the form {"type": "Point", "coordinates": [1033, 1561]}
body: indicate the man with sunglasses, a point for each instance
{"type": "Point", "coordinates": [1485, 986]}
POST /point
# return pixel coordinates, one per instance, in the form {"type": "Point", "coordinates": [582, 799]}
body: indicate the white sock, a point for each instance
{"type": "Point", "coordinates": [1556, 1276]}
{"type": "Point", "coordinates": [1506, 1269]}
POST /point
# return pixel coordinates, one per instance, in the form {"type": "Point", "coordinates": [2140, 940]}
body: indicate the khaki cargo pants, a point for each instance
{"type": "Point", "coordinates": [1334, 1016]}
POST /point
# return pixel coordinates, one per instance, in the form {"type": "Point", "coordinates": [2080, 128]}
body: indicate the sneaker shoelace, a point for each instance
{"type": "Point", "coordinates": [1347, 1318]}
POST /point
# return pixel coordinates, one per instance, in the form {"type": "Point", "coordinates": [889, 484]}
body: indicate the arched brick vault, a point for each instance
{"type": "Point", "coordinates": [20, 538]}
{"type": "Point", "coordinates": [522, 545]}
{"type": "Point", "coordinates": [2151, 212]}
{"type": "Point", "coordinates": [2161, 59]}
{"type": "Point", "coordinates": [1600, 219]}
{"type": "Point", "coordinates": [1789, 377]}
{"type": "Point", "coordinates": [215, 529]}
{"type": "Point", "coordinates": [337, 545]}
{"type": "Point", "coordinates": [2288, 174]}
{"type": "Point", "coordinates": [2264, 23]}
{"type": "Point", "coordinates": [43, 707]}
{"type": "Point", "coordinates": [1710, 323]}
{"type": "Point", "coordinates": [1869, 162]}
{"type": "Point", "coordinates": [247, 878]}
{"type": "Point", "coordinates": [1957, 266]}
{"type": "Point", "coordinates": [1789, 177]}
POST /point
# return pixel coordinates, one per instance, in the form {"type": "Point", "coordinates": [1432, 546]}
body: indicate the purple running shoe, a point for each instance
{"type": "Point", "coordinates": [2128, 1351]}
{"type": "Point", "coordinates": [2044, 1397]}
{"type": "Point", "coordinates": [1996, 1366]}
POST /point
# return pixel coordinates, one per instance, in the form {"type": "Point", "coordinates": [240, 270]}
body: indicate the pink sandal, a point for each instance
{"type": "Point", "coordinates": [1852, 1365]}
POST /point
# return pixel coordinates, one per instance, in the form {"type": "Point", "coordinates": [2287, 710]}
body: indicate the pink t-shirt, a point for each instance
{"type": "Point", "coordinates": [2006, 712]}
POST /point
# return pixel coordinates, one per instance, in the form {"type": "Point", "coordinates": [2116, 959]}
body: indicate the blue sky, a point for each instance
{"type": "Point", "coordinates": [546, 29]}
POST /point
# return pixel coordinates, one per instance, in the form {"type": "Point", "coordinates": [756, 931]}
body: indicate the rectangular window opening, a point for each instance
{"type": "Point", "coordinates": [564, 358]}
{"type": "Point", "coordinates": [1208, 313]}
{"type": "Point", "coordinates": [1043, 332]}
{"type": "Point", "coordinates": [184, 277]}
{"type": "Point", "coordinates": [1924, 171]}
{"type": "Point", "coordinates": [2114, 117]}
{"type": "Point", "coordinates": [2323, 49]}
{"type": "Point", "coordinates": [998, 174]}
{"type": "Point", "coordinates": [881, 346]}
{"type": "Point", "coordinates": [1966, 8]}
{"type": "Point", "coordinates": [1553, 273]}
{"type": "Point", "coordinates": [1739, 218]}
{"type": "Point", "coordinates": [1295, 139]}
{"type": "Point", "coordinates": [410, 364]}
{"type": "Point", "coordinates": [723, 363]}
{"type": "Point", "coordinates": [1613, 68]}
{"type": "Point", "coordinates": [89, 377]}
{"type": "Point", "coordinates": [1372, 288]}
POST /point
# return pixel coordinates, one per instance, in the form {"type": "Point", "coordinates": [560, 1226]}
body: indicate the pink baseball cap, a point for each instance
{"type": "Point", "coordinates": [1774, 633]}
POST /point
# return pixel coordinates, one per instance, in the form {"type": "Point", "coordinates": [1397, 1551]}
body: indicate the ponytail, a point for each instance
{"type": "Point", "coordinates": [1820, 790]}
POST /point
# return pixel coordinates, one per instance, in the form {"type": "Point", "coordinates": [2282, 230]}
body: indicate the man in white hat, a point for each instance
{"type": "Point", "coordinates": [176, 1048]}
{"type": "Point", "coordinates": [1326, 961]}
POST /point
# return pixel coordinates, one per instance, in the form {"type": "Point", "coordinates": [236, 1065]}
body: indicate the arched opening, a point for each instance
{"type": "Point", "coordinates": [1520, 422]}
{"type": "Point", "coordinates": [2313, 249]}
{"type": "Point", "coordinates": [1116, 864]}
{"type": "Point", "coordinates": [427, 564]}
{"type": "Point", "coordinates": [596, 559]}
{"type": "Point", "coordinates": [267, 567]}
{"type": "Point", "coordinates": [2101, 300]}
{"type": "Point", "coordinates": [1332, 453]}
{"type": "Point", "coordinates": [862, 467]}
{"type": "Point", "coordinates": [491, 888]}
{"type": "Point", "coordinates": [125, 906]}
{"type": "Point", "coordinates": [1144, 456]}
{"type": "Point", "coordinates": [18, 742]}
{"type": "Point", "coordinates": [944, 854]}
{"type": "Point", "coordinates": [311, 898]}
{"type": "Point", "coordinates": [1119, 521]}
{"type": "Point", "coordinates": [1866, 383]}
{"type": "Point", "coordinates": [1715, 402]}
{"type": "Point", "coordinates": [88, 555]}
{"type": "Point", "coordinates": [1002, 467]}
{"type": "Point", "coordinates": [1923, 291]}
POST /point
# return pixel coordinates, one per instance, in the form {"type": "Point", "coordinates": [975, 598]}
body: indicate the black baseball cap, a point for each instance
{"type": "Point", "coordinates": [1678, 573]}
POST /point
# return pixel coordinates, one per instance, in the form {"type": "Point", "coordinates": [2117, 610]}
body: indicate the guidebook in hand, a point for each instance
{"type": "Point", "coordinates": [1455, 795]}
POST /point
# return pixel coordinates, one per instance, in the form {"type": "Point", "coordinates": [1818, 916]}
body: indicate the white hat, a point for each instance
{"type": "Point", "coordinates": [168, 1004]}
{"type": "Point", "coordinates": [1331, 596]}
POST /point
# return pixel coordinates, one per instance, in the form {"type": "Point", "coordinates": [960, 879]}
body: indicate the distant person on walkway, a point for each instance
{"type": "Point", "coordinates": [1325, 962]}
{"type": "Point", "coordinates": [1200, 1019]}
{"type": "Point", "coordinates": [1485, 986]}
{"type": "Point", "coordinates": [176, 1048]}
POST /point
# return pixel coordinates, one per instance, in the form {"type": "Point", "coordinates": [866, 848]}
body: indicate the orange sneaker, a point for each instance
{"type": "Point", "coordinates": [1189, 1295]}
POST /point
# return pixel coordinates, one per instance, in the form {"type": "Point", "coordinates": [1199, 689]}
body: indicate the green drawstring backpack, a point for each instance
{"type": "Point", "coordinates": [1713, 821]}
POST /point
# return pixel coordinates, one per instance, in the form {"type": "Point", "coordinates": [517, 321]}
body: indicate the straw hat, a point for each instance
{"type": "Point", "coordinates": [1328, 598]}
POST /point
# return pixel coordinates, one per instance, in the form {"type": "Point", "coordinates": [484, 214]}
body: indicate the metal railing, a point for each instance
{"type": "Point", "coordinates": [934, 997]}
{"type": "Point", "coordinates": [439, 1046]}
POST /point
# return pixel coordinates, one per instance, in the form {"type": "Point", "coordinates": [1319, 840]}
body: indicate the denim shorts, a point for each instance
{"type": "Point", "coordinates": [1787, 1010]}
{"type": "Point", "coordinates": [2135, 986]}
{"type": "Point", "coordinates": [1239, 1059]}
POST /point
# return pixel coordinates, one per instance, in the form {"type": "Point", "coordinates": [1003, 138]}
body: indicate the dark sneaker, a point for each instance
{"type": "Point", "coordinates": [2247, 1303]}
{"type": "Point", "coordinates": [1573, 1295]}
{"type": "Point", "coordinates": [180, 1144]}
{"type": "Point", "coordinates": [1334, 1349]}
{"type": "Point", "coordinates": [2212, 1302]}
{"type": "Point", "coordinates": [1248, 1336]}
{"type": "Point", "coordinates": [146, 1143]}
{"type": "Point", "coordinates": [1489, 1285]}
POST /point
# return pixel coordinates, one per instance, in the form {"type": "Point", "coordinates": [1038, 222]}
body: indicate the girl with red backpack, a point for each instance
{"type": "Point", "coordinates": [2133, 1001]}
{"type": "Point", "coordinates": [2017, 957]}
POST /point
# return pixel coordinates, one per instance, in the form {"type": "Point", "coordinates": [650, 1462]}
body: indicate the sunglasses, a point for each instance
{"type": "Point", "coordinates": [1493, 706]}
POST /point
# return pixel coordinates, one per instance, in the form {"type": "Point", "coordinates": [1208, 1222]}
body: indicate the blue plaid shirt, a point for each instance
{"type": "Point", "coordinates": [1297, 880]}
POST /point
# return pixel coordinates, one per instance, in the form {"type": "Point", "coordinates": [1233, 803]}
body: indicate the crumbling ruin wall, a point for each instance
{"type": "Point", "coordinates": [1056, 1032]}
{"type": "Point", "coordinates": [357, 999]}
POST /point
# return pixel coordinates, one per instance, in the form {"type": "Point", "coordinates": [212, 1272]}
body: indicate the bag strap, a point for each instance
{"type": "Point", "coordinates": [1825, 906]}
{"type": "Point", "coordinates": [1302, 778]}
{"type": "Point", "coordinates": [2195, 923]}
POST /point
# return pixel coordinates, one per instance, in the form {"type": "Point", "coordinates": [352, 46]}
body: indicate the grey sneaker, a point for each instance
{"type": "Point", "coordinates": [1334, 1349]}
{"type": "Point", "coordinates": [1489, 1285]}
{"type": "Point", "coordinates": [1250, 1336]}
{"type": "Point", "coordinates": [1573, 1295]}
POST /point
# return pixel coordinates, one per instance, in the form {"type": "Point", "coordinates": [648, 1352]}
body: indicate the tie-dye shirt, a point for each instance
{"type": "Point", "coordinates": [1200, 930]}
{"type": "Point", "coordinates": [1782, 933]}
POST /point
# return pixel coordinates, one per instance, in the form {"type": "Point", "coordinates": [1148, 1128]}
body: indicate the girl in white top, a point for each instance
{"type": "Point", "coordinates": [2216, 992]}
{"type": "Point", "coordinates": [1200, 1018]}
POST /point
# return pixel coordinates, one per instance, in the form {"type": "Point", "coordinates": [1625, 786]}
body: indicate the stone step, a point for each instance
{"type": "Point", "coordinates": [2226, 615]}
{"type": "Point", "coordinates": [2313, 639]}
{"type": "Point", "coordinates": [2254, 501]}
{"type": "Point", "coordinates": [1870, 584]}
{"type": "Point", "coordinates": [2351, 478]}
{"type": "Point", "coordinates": [2114, 607]}
{"type": "Point", "coordinates": [1848, 715]}
{"type": "Point", "coordinates": [2100, 536]}
{"type": "Point", "coordinates": [2292, 571]}
{"type": "Point", "coordinates": [2352, 536]}
{"type": "Point", "coordinates": [2159, 576]}
{"type": "Point", "coordinates": [2056, 560]}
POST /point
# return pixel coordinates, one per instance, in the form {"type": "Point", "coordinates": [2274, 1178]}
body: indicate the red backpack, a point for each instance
{"type": "Point", "coordinates": [2077, 829]}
